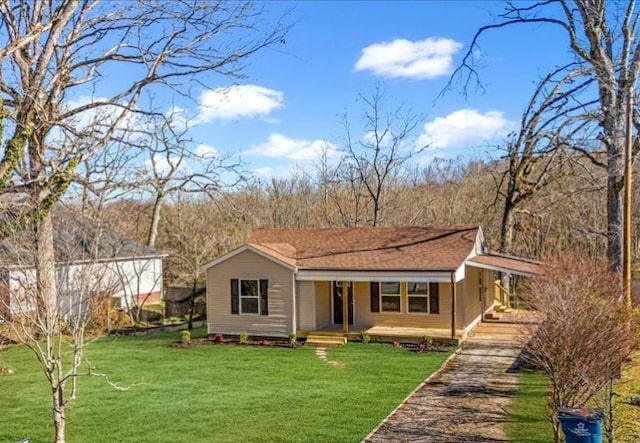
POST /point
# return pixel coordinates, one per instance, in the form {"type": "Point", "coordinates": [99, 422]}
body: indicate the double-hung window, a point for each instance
{"type": "Point", "coordinates": [418, 298]}
{"type": "Point", "coordinates": [249, 297]}
{"type": "Point", "coordinates": [390, 297]}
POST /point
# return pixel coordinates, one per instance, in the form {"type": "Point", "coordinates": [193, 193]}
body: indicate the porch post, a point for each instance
{"type": "Point", "coordinates": [345, 306]}
{"type": "Point", "coordinates": [453, 305]}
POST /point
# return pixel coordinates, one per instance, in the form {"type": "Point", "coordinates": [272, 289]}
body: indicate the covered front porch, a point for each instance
{"type": "Point", "coordinates": [442, 305]}
{"type": "Point", "coordinates": [422, 306]}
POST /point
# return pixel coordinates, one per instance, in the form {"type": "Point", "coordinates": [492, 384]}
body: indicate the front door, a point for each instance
{"type": "Point", "coordinates": [337, 303]}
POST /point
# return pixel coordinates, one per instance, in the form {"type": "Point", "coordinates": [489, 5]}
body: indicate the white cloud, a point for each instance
{"type": "Point", "coordinates": [238, 101]}
{"type": "Point", "coordinates": [281, 146]}
{"type": "Point", "coordinates": [206, 151]}
{"type": "Point", "coordinates": [369, 138]}
{"type": "Point", "coordinates": [162, 165]}
{"type": "Point", "coordinates": [465, 127]}
{"type": "Point", "coordinates": [424, 59]}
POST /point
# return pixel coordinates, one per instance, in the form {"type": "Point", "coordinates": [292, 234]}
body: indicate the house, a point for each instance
{"type": "Point", "coordinates": [90, 260]}
{"type": "Point", "coordinates": [389, 281]}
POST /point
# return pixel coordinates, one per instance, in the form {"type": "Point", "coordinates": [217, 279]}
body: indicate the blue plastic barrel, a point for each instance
{"type": "Point", "coordinates": [581, 425]}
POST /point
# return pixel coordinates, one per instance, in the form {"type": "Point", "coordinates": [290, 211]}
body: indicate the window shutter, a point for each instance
{"type": "Point", "coordinates": [235, 296]}
{"type": "Point", "coordinates": [264, 297]}
{"type": "Point", "coordinates": [375, 296]}
{"type": "Point", "coordinates": [434, 298]}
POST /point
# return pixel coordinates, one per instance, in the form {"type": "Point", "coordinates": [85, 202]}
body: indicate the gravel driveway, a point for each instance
{"type": "Point", "coordinates": [466, 400]}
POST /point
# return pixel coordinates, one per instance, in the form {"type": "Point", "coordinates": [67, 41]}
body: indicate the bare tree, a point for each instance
{"type": "Point", "coordinates": [602, 39]}
{"type": "Point", "coordinates": [51, 52]}
{"type": "Point", "coordinates": [172, 163]}
{"type": "Point", "coordinates": [583, 339]}
{"type": "Point", "coordinates": [536, 154]}
{"type": "Point", "coordinates": [374, 160]}
{"type": "Point", "coordinates": [56, 331]}
{"type": "Point", "coordinates": [196, 235]}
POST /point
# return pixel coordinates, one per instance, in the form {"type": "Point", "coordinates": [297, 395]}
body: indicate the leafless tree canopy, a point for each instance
{"type": "Point", "coordinates": [57, 108]}
{"type": "Point", "coordinates": [605, 50]}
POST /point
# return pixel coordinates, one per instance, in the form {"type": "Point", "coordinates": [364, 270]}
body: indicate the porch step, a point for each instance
{"type": "Point", "coordinates": [325, 340]}
{"type": "Point", "coordinates": [501, 308]}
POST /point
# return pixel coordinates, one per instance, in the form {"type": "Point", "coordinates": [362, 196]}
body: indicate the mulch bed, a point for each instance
{"type": "Point", "coordinates": [257, 341]}
{"type": "Point", "coordinates": [415, 347]}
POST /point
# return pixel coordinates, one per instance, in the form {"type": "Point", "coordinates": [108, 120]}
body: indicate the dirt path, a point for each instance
{"type": "Point", "coordinates": [466, 401]}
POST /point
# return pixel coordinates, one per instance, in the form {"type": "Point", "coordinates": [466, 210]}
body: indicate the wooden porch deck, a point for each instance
{"type": "Point", "coordinates": [388, 333]}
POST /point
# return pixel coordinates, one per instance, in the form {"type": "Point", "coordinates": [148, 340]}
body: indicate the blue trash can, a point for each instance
{"type": "Point", "coordinates": [581, 425]}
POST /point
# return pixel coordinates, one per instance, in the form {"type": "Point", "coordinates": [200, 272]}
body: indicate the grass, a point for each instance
{"type": "Point", "coordinates": [529, 414]}
{"type": "Point", "coordinates": [219, 393]}
{"type": "Point", "coordinates": [628, 416]}
{"type": "Point", "coordinates": [529, 411]}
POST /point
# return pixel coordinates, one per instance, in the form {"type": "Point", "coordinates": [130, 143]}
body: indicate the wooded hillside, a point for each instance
{"type": "Point", "coordinates": [569, 213]}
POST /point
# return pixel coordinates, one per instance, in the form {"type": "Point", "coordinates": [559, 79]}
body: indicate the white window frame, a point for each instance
{"type": "Point", "coordinates": [241, 296]}
{"type": "Point", "coordinates": [399, 295]}
{"type": "Point", "coordinates": [426, 296]}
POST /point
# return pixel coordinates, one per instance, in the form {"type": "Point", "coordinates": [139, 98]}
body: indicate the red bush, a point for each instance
{"type": "Point", "coordinates": [219, 338]}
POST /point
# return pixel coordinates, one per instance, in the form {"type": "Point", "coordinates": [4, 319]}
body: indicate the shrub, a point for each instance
{"type": "Point", "coordinates": [365, 337]}
{"type": "Point", "coordinates": [243, 338]}
{"type": "Point", "coordinates": [428, 341]}
{"type": "Point", "coordinates": [293, 338]}
{"type": "Point", "coordinates": [584, 337]}
{"type": "Point", "coordinates": [219, 338]}
{"type": "Point", "coordinates": [185, 337]}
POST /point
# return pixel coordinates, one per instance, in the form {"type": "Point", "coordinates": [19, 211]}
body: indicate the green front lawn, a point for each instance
{"type": "Point", "coordinates": [215, 392]}
{"type": "Point", "coordinates": [529, 411]}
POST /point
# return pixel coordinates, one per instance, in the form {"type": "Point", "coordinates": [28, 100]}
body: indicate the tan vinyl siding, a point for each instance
{"type": "Point", "coordinates": [305, 305]}
{"type": "Point", "coordinates": [249, 265]}
{"type": "Point", "coordinates": [365, 318]}
{"type": "Point", "coordinates": [323, 303]}
{"type": "Point", "coordinates": [469, 302]}
{"type": "Point", "coordinates": [487, 280]}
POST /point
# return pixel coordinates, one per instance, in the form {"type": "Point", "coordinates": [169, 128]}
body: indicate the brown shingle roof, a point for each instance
{"type": "Point", "coordinates": [516, 265]}
{"type": "Point", "coordinates": [369, 248]}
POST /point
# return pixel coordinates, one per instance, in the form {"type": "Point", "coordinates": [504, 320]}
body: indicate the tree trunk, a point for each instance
{"type": "Point", "coordinates": [48, 304]}
{"type": "Point", "coordinates": [506, 227]}
{"type": "Point", "coordinates": [59, 419]}
{"type": "Point", "coordinates": [615, 187]}
{"type": "Point", "coordinates": [46, 274]}
{"type": "Point", "coordinates": [193, 302]}
{"type": "Point", "coordinates": [155, 220]}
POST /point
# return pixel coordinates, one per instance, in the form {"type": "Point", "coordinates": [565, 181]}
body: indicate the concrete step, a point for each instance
{"type": "Point", "coordinates": [325, 340]}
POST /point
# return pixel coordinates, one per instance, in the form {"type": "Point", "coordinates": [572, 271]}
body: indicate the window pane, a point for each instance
{"type": "Point", "coordinates": [417, 288]}
{"type": "Point", "coordinates": [249, 305]}
{"type": "Point", "coordinates": [249, 287]}
{"type": "Point", "coordinates": [390, 288]}
{"type": "Point", "coordinates": [390, 303]}
{"type": "Point", "coordinates": [418, 304]}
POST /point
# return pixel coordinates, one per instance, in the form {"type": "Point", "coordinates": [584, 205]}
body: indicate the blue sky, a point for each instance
{"type": "Point", "coordinates": [290, 102]}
